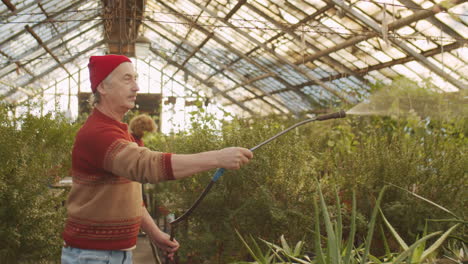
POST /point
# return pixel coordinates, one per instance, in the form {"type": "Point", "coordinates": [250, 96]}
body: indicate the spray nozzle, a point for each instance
{"type": "Point", "coordinates": [339, 114]}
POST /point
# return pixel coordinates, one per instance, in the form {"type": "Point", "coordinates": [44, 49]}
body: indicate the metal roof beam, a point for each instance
{"type": "Point", "coordinates": [197, 49]}
{"type": "Point", "coordinates": [55, 67]}
{"type": "Point", "coordinates": [48, 42]}
{"type": "Point", "coordinates": [279, 57]}
{"type": "Point", "coordinates": [47, 20]}
{"type": "Point", "coordinates": [416, 16]}
{"type": "Point", "coordinates": [65, 62]}
{"type": "Point", "coordinates": [361, 72]}
{"type": "Point", "coordinates": [288, 29]}
{"type": "Point", "coordinates": [39, 40]}
{"type": "Point", "coordinates": [229, 15]}
{"type": "Point", "coordinates": [327, 59]}
{"type": "Point", "coordinates": [53, 25]}
{"type": "Point", "coordinates": [250, 81]}
{"type": "Point", "coordinates": [364, 71]}
{"type": "Point", "coordinates": [423, 60]}
{"type": "Point", "coordinates": [292, 28]}
{"type": "Point", "coordinates": [305, 97]}
{"type": "Point", "coordinates": [18, 64]}
{"type": "Point", "coordinates": [220, 65]}
{"type": "Point", "coordinates": [198, 78]}
{"type": "Point", "coordinates": [179, 45]}
{"type": "Point", "coordinates": [435, 21]}
{"type": "Point", "coordinates": [10, 5]}
{"type": "Point", "coordinates": [234, 9]}
{"type": "Point", "coordinates": [192, 53]}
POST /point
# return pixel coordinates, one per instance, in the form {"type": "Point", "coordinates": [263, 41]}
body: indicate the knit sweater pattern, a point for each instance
{"type": "Point", "coordinates": [104, 206]}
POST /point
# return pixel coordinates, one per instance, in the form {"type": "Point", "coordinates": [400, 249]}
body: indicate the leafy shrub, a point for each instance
{"type": "Point", "coordinates": [272, 195]}
{"type": "Point", "coordinates": [34, 153]}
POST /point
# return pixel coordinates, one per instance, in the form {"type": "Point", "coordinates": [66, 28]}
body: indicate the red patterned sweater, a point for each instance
{"type": "Point", "coordinates": [104, 206]}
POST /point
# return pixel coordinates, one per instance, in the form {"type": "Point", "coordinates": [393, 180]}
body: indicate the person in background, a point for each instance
{"type": "Point", "coordinates": [140, 125]}
{"type": "Point", "coordinates": [104, 207]}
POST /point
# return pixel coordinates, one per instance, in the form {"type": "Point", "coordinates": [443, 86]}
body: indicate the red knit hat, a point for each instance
{"type": "Point", "coordinates": [101, 66]}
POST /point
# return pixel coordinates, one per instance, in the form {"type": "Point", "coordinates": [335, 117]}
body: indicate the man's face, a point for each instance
{"type": "Point", "coordinates": [120, 88]}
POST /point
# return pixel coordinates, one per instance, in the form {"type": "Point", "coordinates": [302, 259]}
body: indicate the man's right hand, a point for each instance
{"type": "Point", "coordinates": [185, 165]}
{"type": "Point", "coordinates": [233, 158]}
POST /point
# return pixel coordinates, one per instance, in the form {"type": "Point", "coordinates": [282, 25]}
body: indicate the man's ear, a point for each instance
{"type": "Point", "coordinates": [100, 88]}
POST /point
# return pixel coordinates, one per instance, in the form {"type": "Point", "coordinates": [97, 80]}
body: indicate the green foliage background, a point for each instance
{"type": "Point", "coordinates": [34, 152]}
{"type": "Point", "coordinates": [273, 194]}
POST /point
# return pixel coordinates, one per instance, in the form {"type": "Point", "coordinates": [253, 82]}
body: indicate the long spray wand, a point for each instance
{"type": "Point", "coordinates": [220, 171]}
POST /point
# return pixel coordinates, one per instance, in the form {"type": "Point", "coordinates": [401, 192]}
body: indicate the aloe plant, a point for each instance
{"type": "Point", "coordinates": [336, 251]}
{"type": "Point", "coordinates": [417, 252]}
{"type": "Point", "coordinates": [456, 251]}
{"type": "Point", "coordinates": [285, 251]}
{"type": "Point", "coordinates": [256, 252]}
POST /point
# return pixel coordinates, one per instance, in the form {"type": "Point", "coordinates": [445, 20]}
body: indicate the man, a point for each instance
{"type": "Point", "coordinates": [104, 207]}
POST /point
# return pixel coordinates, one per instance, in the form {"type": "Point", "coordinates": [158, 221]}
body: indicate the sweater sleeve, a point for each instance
{"type": "Point", "coordinates": [127, 159]}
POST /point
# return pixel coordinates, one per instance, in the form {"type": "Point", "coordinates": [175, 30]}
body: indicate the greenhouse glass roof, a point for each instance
{"type": "Point", "coordinates": [252, 56]}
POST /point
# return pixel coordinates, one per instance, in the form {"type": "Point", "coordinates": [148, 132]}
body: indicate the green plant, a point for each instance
{"type": "Point", "coordinates": [417, 253]}
{"type": "Point", "coordinates": [256, 252]}
{"type": "Point", "coordinates": [337, 251]}
{"type": "Point", "coordinates": [271, 196]}
{"type": "Point", "coordinates": [34, 153]}
{"type": "Point", "coordinates": [456, 252]}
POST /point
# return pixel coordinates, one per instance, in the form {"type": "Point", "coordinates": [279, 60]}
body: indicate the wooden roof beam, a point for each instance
{"type": "Point", "coordinates": [18, 64]}
{"type": "Point", "coordinates": [10, 5]}
{"type": "Point", "coordinates": [53, 25]}
{"type": "Point", "coordinates": [327, 59]}
{"type": "Point", "coordinates": [39, 40]}
{"type": "Point", "coordinates": [234, 9]}
{"type": "Point", "coordinates": [48, 42]}
{"type": "Point", "coordinates": [220, 65]}
{"type": "Point", "coordinates": [198, 78]}
{"type": "Point", "coordinates": [423, 60]}
{"type": "Point", "coordinates": [416, 16]}
{"type": "Point", "coordinates": [364, 71]}
{"type": "Point", "coordinates": [35, 78]}
{"type": "Point", "coordinates": [435, 21]}
{"type": "Point", "coordinates": [305, 97]}
{"type": "Point", "coordinates": [47, 20]}
{"type": "Point", "coordinates": [290, 28]}
{"type": "Point", "coordinates": [7, 12]}
{"type": "Point", "coordinates": [279, 57]}
{"type": "Point", "coordinates": [240, 54]}
{"type": "Point", "coordinates": [250, 81]}
{"type": "Point", "coordinates": [123, 19]}
{"type": "Point", "coordinates": [71, 59]}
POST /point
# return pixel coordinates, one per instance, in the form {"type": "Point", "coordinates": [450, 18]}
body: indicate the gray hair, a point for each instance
{"type": "Point", "coordinates": [96, 97]}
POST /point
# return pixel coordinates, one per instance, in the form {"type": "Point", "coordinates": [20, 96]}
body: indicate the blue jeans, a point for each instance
{"type": "Point", "coordinates": [71, 255]}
